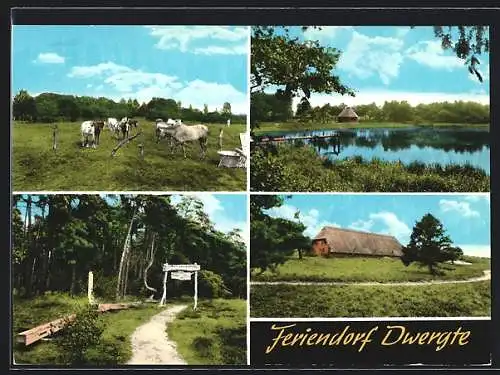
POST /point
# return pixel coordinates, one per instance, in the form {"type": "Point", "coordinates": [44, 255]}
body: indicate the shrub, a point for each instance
{"type": "Point", "coordinates": [211, 285]}
{"type": "Point", "coordinates": [80, 335]}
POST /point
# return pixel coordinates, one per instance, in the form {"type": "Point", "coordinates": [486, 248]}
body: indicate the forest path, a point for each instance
{"type": "Point", "coordinates": [150, 342]}
{"type": "Point", "coordinates": [486, 276]}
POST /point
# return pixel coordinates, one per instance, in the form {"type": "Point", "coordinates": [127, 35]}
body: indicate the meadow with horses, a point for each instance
{"type": "Point", "coordinates": [63, 142]}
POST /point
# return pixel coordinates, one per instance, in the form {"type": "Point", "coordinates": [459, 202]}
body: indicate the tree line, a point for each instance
{"type": "Point", "coordinates": [273, 107]}
{"type": "Point", "coordinates": [124, 240]}
{"type": "Point", "coordinates": [50, 107]}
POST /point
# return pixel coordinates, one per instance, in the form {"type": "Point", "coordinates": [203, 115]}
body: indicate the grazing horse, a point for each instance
{"type": "Point", "coordinates": [87, 130]}
{"type": "Point", "coordinates": [125, 129]}
{"type": "Point", "coordinates": [98, 126]}
{"type": "Point", "coordinates": [183, 134]}
{"type": "Point", "coordinates": [113, 125]}
{"type": "Point", "coordinates": [133, 123]}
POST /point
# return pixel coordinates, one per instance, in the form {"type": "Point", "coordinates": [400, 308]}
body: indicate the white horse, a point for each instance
{"type": "Point", "coordinates": [182, 134]}
{"type": "Point", "coordinates": [87, 130]}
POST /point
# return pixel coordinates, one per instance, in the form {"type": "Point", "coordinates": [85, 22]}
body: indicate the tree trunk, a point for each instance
{"type": "Point", "coordinates": [47, 273]}
{"type": "Point", "coordinates": [123, 260]}
{"type": "Point", "coordinates": [151, 253]}
{"type": "Point", "coordinates": [73, 279]}
{"type": "Point", "coordinates": [300, 253]}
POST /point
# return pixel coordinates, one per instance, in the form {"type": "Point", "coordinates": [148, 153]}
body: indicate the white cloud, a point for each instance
{"type": "Point", "coordinates": [402, 31]}
{"type": "Point", "coordinates": [362, 225]}
{"type": "Point", "coordinates": [311, 219]}
{"type": "Point", "coordinates": [431, 54]}
{"type": "Point", "coordinates": [125, 82]}
{"type": "Point", "coordinates": [476, 250]}
{"type": "Point", "coordinates": [366, 56]}
{"type": "Point", "coordinates": [393, 226]}
{"type": "Point", "coordinates": [49, 58]}
{"type": "Point", "coordinates": [462, 208]}
{"type": "Point", "coordinates": [106, 68]}
{"type": "Point", "coordinates": [325, 34]}
{"type": "Point", "coordinates": [210, 203]}
{"type": "Point", "coordinates": [378, 96]}
{"type": "Point", "coordinates": [477, 198]}
{"type": "Point", "coordinates": [216, 39]}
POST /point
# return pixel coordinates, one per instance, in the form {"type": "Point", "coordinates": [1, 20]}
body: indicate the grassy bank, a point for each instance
{"type": "Point", "coordinates": [359, 269]}
{"type": "Point", "coordinates": [267, 127]}
{"type": "Point", "coordinates": [299, 168]}
{"type": "Point", "coordinates": [115, 347]}
{"type": "Point", "coordinates": [470, 299]}
{"type": "Point", "coordinates": [37, 167]}
{"type": "Point", "coordinates": [214, 334]}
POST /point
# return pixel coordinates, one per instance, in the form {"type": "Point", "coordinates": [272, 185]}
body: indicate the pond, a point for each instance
{"type": "Point", "coordinates": [443, 145]}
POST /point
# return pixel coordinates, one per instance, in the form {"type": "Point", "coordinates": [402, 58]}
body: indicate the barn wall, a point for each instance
{"type": "Point", "coordinates": [320, 247]}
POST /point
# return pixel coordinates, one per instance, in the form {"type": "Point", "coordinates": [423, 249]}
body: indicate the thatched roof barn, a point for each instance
{"type": "Point", "coordinates": [347, 115]}
{"type": "Point", "coordinates": [348, 242]}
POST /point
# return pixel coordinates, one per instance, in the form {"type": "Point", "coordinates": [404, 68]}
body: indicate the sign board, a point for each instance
{"type": "Point", "coordinates": [181, 275]}
{"type": "Point", "coordinates": [181, 267]}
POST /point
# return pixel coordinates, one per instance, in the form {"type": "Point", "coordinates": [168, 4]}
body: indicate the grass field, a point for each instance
{"type": "Point", "coordinates": [37, 167]}
{"type": "Point", "coordinates": [359, 269]}
{"type": "Point", "coordinates": [213, 334]}
{"type": "Point", "coordinates": [305, 126]}
{"type": "Point", "coordinates": [115, 345]}
{"type": "Point", "coordinates": [446, 300]}
{"type": "Point", "coordinates": [293, 168]}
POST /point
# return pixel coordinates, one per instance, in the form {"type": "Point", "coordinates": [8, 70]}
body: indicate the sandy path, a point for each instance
{"type": "Point", "coordinates": [486, 276]}
{"type": "Point", "coordinates": [150, 342]}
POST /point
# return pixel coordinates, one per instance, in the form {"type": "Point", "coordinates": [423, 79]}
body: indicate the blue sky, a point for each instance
{"type": "Point", "coordinates": [226, 211]}
{"type": "Point", "coordinates": [193, 64]}
{"type": "Point", "coordinates": [465, 217]}
{"type": "Point", "coordinates": [397, 63]}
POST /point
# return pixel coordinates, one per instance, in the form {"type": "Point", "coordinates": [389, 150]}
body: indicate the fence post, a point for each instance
{"type": "Point", "coordinates": [195, 289]}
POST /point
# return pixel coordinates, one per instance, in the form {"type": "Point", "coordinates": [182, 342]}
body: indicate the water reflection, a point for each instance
{"type": "Point", "coordinates": [429, 145]}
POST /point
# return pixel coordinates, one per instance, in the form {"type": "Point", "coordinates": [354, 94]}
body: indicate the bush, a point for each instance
{"type": "Point", "coordinates": [211, 285]}
{"type": "Point", "coordinates": [80, 335]}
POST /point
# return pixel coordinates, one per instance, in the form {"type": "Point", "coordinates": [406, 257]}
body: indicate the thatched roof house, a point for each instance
{"type": "Point", "coordinates": [348, 242]}
{"type": "Point", "coordinates": [347, 115]}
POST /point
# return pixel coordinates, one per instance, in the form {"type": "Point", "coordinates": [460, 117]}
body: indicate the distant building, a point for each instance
{"type": "Point", "coordinates": [347, 115]}
{"type": "Point", "coordinates": [347, 242]}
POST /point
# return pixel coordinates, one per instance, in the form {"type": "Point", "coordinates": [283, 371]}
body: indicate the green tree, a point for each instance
{"type": "Point", "coordinates": [467, 42]}
{"type": "Point", "coordinates": [226, 109]}
{"type": "Point", "coordinates": [205, 109]}
{"type": "Point", "coordinates": [24, 106]}
{"type": "Point", "coordinates": [429, 245]}
{"type": "Point", "coordinates": [272, 240]}
{"type": "Point", "coordinates": [296, 67]}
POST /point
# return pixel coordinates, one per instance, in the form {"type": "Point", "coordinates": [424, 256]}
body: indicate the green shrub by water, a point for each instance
{"type": "Point", "coordinates": [292, 168]}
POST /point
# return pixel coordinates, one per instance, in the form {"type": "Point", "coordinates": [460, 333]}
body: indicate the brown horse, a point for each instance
{"type": "Point", "coordinates": [98, 126]}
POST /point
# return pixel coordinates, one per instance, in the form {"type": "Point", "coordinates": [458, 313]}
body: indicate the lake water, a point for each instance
{"type": "Point", "coordinates": [441, 145]}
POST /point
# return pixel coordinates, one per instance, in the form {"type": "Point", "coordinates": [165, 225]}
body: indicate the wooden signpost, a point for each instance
{"type": "Point", "coordinates": [180, 272]}
{"type": "Point", "coordinates": [90, 288]}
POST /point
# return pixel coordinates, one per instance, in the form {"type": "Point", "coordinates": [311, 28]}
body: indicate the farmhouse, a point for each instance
{"type": "Point", "coordinates": [348, 242]}
{"type": "Point", "coordinates": [347, 115]}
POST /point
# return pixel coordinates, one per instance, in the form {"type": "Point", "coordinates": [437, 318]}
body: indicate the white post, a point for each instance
{"type": "Point", "coordinates": [164, 296]}
{"type": "Point", "coordinates": [195, 289]}
{"type": "Point", "coordinates": [90, 288]}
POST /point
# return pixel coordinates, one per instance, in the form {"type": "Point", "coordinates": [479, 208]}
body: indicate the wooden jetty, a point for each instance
{"type": "Point", "coordinates": [265, 139]}
{"type": "Point", "coordinates": [39, 332]}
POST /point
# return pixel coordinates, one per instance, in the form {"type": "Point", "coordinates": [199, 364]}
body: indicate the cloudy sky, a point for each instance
{"type": "Point", "coordinates": [397, 63]}
{"type": "Point", "coordinates": [193, 64]}
{"type": "Point", "coordinates": [465, 217]}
